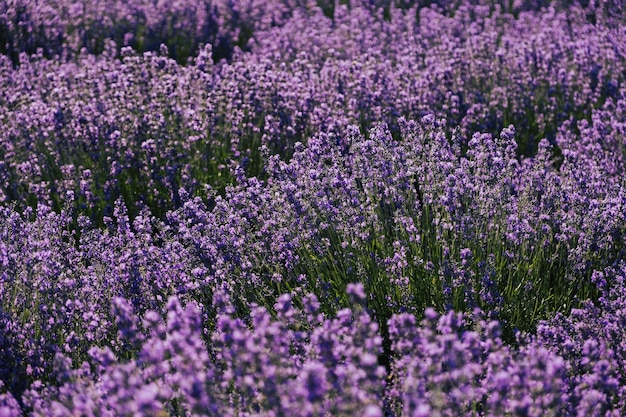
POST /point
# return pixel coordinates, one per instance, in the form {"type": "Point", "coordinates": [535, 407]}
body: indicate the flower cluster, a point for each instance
{"type": "Point", "coordinates": [294, 364]}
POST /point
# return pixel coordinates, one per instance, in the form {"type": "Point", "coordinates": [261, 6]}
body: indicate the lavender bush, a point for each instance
{"type": "Point", "coordinates": [409, 208]}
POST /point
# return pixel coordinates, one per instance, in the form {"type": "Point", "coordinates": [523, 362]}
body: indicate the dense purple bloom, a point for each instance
{"type": "Point", "coordinates": [237, 208]}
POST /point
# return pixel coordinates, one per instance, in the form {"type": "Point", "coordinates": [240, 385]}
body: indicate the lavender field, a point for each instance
{"type": "Point", "coordinates": [374, 208]}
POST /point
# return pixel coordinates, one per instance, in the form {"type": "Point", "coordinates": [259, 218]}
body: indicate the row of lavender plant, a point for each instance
{"type": "Point", "coordinates": [64, 27]}
{"type": "Point", "coordinates": [141, 126]}
{"type": "Point", "coordinates": [415, 222]}
{"type": "Point", "coordinates": [298, 363]}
